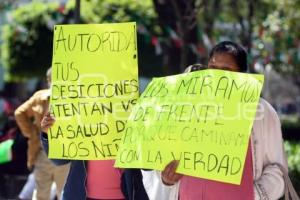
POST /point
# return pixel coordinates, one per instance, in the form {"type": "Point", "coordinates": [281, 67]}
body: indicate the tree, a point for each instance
{"type": "Point", "coordinates": [178, 20]}
{"type": "Point", "coordinates": [27, 40]}
{"type": "Point", "coordinates": [149, 34]}
{"type": "Point", "coordinates": [172, 34]}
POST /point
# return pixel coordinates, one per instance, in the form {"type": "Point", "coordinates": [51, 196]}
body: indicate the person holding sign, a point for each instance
{"type": "Point", "coordinates": [265, 165]}
{"type": "Point", "coordinates": [95, 179]}
{"type": "Point", "coordinates": [106, 187]}
{"type": "Point", "coordinates": [28, 117]}
{"type": "Point", "coordinates": [94, 86]}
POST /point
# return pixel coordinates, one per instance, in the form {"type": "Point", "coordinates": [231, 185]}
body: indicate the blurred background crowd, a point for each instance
{"type": "Point", "coordinates": [172, 34]}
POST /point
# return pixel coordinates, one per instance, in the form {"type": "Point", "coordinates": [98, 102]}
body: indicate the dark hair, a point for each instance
{"type": "Point", "coordinates": [49, 71]}
{"type": "Point", "coordinates": [235, 50]}
{"type": "Point", "coordinates": [195, 67]}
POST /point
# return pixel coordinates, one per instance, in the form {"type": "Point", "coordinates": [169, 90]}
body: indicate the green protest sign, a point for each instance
{"type": "Point", "coordinates": [6, 151]}
{"type": "Point", "coordinates": [94, 85]}
{"type": "Point", "coordinates": [203, 119]}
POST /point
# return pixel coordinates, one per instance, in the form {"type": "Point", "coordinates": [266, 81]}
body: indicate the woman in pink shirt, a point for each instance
{"type": "Point", "coordinates": [103, 180]}
{"type": "Point", "coordinates": [230, 56]}
{"type": "Point", "coordinates": [92, 180]}
{"type": "Point", "coordinates": [96, 180]}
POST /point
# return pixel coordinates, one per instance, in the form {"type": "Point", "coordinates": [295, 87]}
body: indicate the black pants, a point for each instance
{"type": "Point", "coordinates": [132, 185]}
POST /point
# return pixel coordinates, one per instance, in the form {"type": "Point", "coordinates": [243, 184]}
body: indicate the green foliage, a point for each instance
{"type": "Point", "coordinates": [290, 122]}
{"type": "Point", "coordinates": [292, 149]}
{"type": "Point", "coordinates": [281, 29]}
{"type": "Point", "coordinates": [279, 33]}
{"type": "Point", "coordinates": [27, 40]}
{"type": "Point", "coordinates": [95, 11]}
{"type": "Point", "coordinates": [275, 29]}
{"type": "Point", "coordinates": [26, 49]}
{"type": "Point", "coordinates": [142, 12]}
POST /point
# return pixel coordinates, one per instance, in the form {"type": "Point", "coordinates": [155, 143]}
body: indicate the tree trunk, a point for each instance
{"type": "Point", "coordinates": [180, 17]}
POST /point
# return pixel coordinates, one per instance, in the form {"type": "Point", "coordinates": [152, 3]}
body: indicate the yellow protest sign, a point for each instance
{"type": "Point", "coordinates": [94, 85]}
{"type": "Point", "coordinates": [203, 119]}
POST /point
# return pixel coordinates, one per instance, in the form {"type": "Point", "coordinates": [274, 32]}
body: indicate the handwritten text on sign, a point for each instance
{"type": "Point", "coordinates": [94, 86]}
{"type": "Point", "coordinates": [203, 119]}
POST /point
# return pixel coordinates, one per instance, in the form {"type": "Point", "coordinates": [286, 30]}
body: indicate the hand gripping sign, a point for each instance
{"type": "Point", "coordinates": [203, 119]}
{"type": "Point", "coordinates": [94, 86]}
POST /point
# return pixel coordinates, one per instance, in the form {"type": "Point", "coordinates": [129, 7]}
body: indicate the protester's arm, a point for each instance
{"type": "Point", "coordinates": [46, 123]}
{"type": "Point", "coordinates": [45, 144]}
{"type": "Point", "coordinates": [162, 185]}
{"type": "Point", "coordinates": [271, 183]}
{"type": "Point", "coordinates": [156, 189]}
{"type": "Point", "coordinates": [168, 175]}
{"type": "Point", "coordinates": [23, 115]}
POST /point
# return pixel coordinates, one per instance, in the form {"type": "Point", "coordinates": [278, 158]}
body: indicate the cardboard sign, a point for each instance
{"type": "Point", "coordinates": [203, 119]}
{"type": "Point", "coordinates": [94, 86]}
